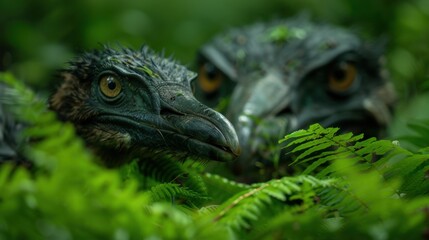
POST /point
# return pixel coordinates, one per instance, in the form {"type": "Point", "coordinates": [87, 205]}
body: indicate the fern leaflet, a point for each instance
{"type": "Point", "coordinates": [249, 205]}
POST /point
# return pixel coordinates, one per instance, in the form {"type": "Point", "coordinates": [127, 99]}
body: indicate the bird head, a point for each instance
{"type": "Point", "coordinates": [128, 104]}
{"type": "Point", "coordinates": [287, 74]}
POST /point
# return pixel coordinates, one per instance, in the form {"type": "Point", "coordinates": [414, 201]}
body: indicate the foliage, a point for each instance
{"type": "Point", "coordinates": [68, 196]}
{"type": "Point", "coordinates": [250, 205]}
{"type": "Point", "coordinates": [351, 188]}
{"type": "Point", "coordinates": [386, 158]}
{"type": "Point", "coordinates": [418, 136]}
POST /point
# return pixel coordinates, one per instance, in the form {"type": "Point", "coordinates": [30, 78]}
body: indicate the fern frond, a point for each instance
{"type": "Point", "coordinates": [175, 193]}
{"type": "Point", "coordinates": [418, 135]}
{"type": "Point", "coordinates": [318, 143]}
{"type": "Point", "coordinates": [338, 154]}
{"type": "Point", "coordinates": [221, 189]}
{"type": "Point", "coordinates": [319, 147]}
{"type": "Point", "coordinates": [361, 206]}
{"type": "Point", "coordinates": [168, 170]}
{"type": "Point", "coordinates": [163, 169]}
{"type": "Point", "coordinates": [250, 205]}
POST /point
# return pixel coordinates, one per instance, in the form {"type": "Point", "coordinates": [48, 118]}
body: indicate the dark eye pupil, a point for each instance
{"type": "Point", "coordinates": [339, 72]}
{"type": "Point", "coordinates": [211, 71]}
{"type": "Point", "coordinates": [111, 84]}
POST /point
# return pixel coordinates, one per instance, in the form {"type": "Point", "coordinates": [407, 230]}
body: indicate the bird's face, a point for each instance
{"type": "Point", "coordinates": [287, 75]}
{"type": "Point", "coordinates": [129, 104]}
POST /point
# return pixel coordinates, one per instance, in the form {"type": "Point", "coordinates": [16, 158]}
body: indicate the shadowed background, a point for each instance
{"type": "Point", "coordinates": [37, 37]}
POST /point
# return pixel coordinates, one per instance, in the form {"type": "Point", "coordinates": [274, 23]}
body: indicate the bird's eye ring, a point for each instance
{"type": "Point", "coordinates": [342, 77]}
{"type": "Point", "coordinates": [110, 86]}
{"type": "Point", "coordinates": [209, 78]}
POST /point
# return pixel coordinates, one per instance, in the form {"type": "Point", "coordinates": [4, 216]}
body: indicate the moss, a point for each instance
{"type": "Point", "coordinates": [282, 33]}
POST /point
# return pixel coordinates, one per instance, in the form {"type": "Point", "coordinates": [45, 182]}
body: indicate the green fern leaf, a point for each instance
{"type": "Point", "coordinates": [175, 193]}
{"type": "Point", "coordinates": [168, 170]}
{"type": "Point", "coordinates": [220, 189]}
{"type": "Point", "coordinates": [249, 205]}
{"type": "Point", "coordinates": [321, 147]}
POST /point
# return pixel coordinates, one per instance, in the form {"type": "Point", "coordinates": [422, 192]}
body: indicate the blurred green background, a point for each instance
{"type": "Point", "coordinates": [37, 37]}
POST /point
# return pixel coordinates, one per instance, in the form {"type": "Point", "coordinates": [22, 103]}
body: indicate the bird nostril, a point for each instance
{"type": "Point", "coordinates": [170, 111]}
{"type": "Point", "coordinates": [285, 111]}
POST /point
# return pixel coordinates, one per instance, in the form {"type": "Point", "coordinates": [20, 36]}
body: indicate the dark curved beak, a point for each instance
{"type": "Point", "coordinates": [204, 131]}
{"type": "Point", "coordinates": [257, 101]}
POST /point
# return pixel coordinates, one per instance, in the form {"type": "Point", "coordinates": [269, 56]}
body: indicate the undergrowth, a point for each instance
{"type": "Point", "coordinates": [351, 188]}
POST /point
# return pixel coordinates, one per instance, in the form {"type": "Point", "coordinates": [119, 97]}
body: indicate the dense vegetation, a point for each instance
{"type": "Point", "coordinates": [340, 193]}
{"type": "Point", "coordinates": [68, 196]}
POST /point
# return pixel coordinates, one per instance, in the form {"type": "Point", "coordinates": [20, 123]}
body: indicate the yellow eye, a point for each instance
{"type": "Point", "coordinates": [209, 78]}
{"type": "Point", "coordinates": [110, 86]}
{"type": "Point", "coordinates": [342, 77]}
